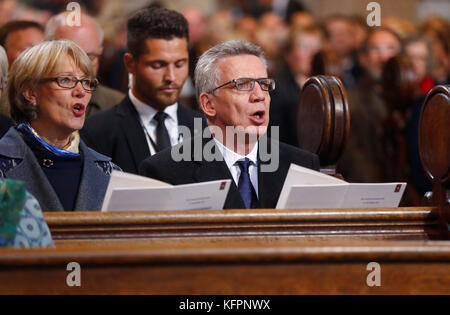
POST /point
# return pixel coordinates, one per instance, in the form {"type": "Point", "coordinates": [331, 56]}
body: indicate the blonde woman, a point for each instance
{"type": "Point", "coordinates": [49, 88]}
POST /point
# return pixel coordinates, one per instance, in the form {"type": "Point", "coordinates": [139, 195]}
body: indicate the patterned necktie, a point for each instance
{"type": "Point", "coordinates": [245, 186]}
{"type": "Point", "coordinates": [162, 135]}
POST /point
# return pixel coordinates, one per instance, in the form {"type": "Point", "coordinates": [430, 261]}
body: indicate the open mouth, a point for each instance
{"type": "Point", "coordinates": [258, 117]}
{"type": "Point", "coordinates": [258, 114]}
{"type": "Point", "coordinates": [78, 109]}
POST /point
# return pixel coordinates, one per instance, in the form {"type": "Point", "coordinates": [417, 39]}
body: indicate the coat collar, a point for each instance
{"type": "Point", "coordinates": [28, 169]}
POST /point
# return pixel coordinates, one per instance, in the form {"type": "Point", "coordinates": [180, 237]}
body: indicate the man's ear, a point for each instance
{"type": "Point", "coordinates": [129, 62]}
{"type": "Point", "coordinates": [207, 105]}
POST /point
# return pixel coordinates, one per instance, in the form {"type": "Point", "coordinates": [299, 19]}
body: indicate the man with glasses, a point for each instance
{"type": "Point", "coordinates": [89, 36]}
{"type": "Point", "coordinates": [233, 90]}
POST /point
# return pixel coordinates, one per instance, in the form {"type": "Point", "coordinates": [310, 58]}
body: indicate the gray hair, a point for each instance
{"type": "Point", "coordinates": [207, 75]}
{"type": "Point", "coordinates": [3, 66]}
{"type": "Point", "coordinates": [60, 20]}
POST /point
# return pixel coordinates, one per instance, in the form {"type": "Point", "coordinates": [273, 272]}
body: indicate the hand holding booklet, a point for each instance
{"type": "Point", "coordinates": [129, 192]}
{"type": "Point", "coordinates": [308, 189]}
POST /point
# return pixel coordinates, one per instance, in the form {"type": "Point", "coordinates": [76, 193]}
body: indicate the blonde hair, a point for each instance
{"type": "Point", "coordinates": [3, 66]}
{"type": "Point", "coordinates": [36, 63]}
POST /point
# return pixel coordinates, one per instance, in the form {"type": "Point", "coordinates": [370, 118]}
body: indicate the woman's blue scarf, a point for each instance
{"type": "Point", "coordinates": [34, 141]}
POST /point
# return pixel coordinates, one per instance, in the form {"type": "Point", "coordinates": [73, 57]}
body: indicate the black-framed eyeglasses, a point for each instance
{"type": "Point", "coordinates": [69, 82]}
{"type": "Point", "coordinates": [248, 84]}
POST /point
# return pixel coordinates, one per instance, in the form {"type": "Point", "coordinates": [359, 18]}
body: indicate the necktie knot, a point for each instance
{"type": "Point", "coordinates": [244, 165]}
{"type": "Point", "coordinates": [160, 117]}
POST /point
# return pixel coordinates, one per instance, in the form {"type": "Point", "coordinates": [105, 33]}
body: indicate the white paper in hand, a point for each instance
{"type": "Point", "coordinates": [129, 192]}
{"type": "Point", "coordinates": [308, 189]}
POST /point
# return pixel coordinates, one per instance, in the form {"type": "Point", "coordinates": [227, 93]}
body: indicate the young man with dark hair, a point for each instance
{"type": "Point", "coordinates": [148, 119]}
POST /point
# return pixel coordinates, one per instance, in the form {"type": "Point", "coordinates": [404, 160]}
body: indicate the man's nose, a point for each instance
{"type": "Point", "coordinates": [257, 94]}
{"type": "Point", "coordinates": [169, 74]}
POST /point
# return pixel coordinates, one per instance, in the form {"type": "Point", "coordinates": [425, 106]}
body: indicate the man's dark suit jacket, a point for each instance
{"type": "Point", "coordinates": [162, 167]}
{"type": "Point", "coordinates": [5, 124]}
{"type": "Point", "coordinates": [117, 133]}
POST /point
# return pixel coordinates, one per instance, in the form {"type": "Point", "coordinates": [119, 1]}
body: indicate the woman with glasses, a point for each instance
{"type": "Point", "coordinates": [49, 88]}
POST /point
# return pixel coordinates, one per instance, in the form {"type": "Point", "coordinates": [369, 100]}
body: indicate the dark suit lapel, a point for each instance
{"type": "Point", "coordinates": [186, 118]}
{"type": "Point", "coordinates": [131, 126]}
{"type": "Point", "coordinates": [270, 184]}
{"type": "Point", "coordinates": [217, 170]}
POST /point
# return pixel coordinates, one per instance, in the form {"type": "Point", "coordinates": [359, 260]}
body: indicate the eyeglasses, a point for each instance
{"type": "Point", "coordinates": [69, 82]}
{"type": "Point", "coordinates": [248, 84]}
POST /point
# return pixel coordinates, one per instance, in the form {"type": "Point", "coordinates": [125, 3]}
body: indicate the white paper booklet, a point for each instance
{"type": "Point", "coordinates": [129, 192]}
{"type": "Point", "coordinates": [308, 189]}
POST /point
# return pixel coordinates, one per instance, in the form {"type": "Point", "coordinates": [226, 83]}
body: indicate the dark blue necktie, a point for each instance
{"type": "Point", "coordinates": [162, 135]}
{"type": "Point", "coordinates": [245, 186]}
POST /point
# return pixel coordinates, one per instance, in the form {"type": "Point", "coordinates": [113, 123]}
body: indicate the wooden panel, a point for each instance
{"type": "Point", "coordinates": [245, 268]}
{"type": "Point", "coordinates": [323, 121]}
{"type": "Point", "coordinates": [396, 223]}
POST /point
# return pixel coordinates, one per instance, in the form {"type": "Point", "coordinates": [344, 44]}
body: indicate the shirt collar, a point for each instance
{"type": "Point", "coordinates": [232, 157]}
{"type": "Point", "coordinates": [147, 112]}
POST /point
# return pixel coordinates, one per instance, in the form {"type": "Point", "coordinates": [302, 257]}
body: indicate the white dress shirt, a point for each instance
{"type": "Point", "coordinates": [146, 114]}
{"type": "Point", "coordinates": [231, 157]}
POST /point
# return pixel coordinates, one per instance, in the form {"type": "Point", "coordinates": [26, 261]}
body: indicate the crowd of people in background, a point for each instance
{"type": "Point", "coordinates": [297, 45]}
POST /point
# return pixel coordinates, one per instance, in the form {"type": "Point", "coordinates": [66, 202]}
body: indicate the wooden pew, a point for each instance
{"type": "Point", "coordinates": [251, 251]}
{"type": "Point", "coordinates": [324, 120]}
{"type": "Point", "coordinates": [231, 268]}
{"type": "Point", "coordinates": [308, 224]}
{"type": "Point", "coordinates": [434, 144]}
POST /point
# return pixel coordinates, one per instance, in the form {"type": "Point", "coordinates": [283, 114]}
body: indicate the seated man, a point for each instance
{"type": "Point", "coordinates": [149, 118]}
{"type": "Point", "coordinates": [233, 91]}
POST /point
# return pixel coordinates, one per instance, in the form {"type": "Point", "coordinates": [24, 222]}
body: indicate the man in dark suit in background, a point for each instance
{"type": "Point", "coordinates": [148, 119]}
{"type": "Point", "coordinates": [233, 91]}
